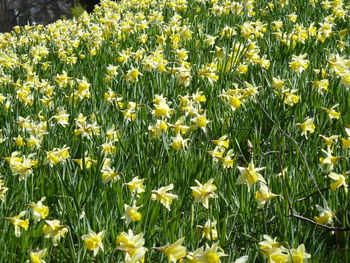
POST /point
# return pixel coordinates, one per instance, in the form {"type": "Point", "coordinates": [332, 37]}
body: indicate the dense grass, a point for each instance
{"type": "Point", "coordinates": [265, 129]}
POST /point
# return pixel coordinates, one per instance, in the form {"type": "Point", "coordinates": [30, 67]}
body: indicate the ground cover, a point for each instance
{"type": "Point", "coordinates": [177, 131]}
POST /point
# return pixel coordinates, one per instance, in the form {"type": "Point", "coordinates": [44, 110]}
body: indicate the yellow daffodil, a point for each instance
{"type": "Point", "coordinates": [321, 85]}
{"type": "Point", "coordinates": [131, 214]}
{"type": "Point", "coordinates": [19, 141]}
{"type": "Point", "coordinates": [179, 126]}
{"type": "Point", "coordinates": [19, 223]}
{"type": "Point", "coordinates": [163, 196]}
{"type": "Point", "coordinates": [192, 257]}
{"type": "Point", "coordinates": [132, 245]}
{"type": "Point", "coordinates": [21, 166]}
{"type": "Point", "coordinates": [227, 160]}
{"type": "Point", "coordinates": [329, 160]}
{"type": "Point", "coordinates": [209, 230]}
{"type": "Point", "coordinates": [162, 110]}
{"type": "Point", "coordinates": [93, 241]}
{"type": "Point", "coordinates": [201, 121]}
{"type": "Point", "coordinates": [217, 153]}
{"type": "Point", "coordinates": [133, 75]}
{"type": "Point", "coordinates": [307, 126]}
{"type": "Point", "coordinates": [3, 189]}
{"type": "Point", "coordinates": [332, 114]}
{"type": "Point", "coordinates": [202, 193]}
{"type": "Point", "coordinates": [86, 162]}
{"type": "Point", "coordinates": [61, 117]}
{"type": "Point", "coordinates": [289, 97]}
{"type": "Point", "coordinates": [346, 143]}
{"type": "Point", "coordinates": [299, 255]}
{"type": "Point", "coordinates": [273, 250]}
{"type": "Point", "coordinates": [136, 185]}
{"type": "Point", "coordinates": [178, 142]}
{"type": "Point", "coordinates": [325, 217]}
{"type": "Point", "coordinates": [57, 155]}
{"type": "Point", "coordinates": [222, 141]}
{"type": "Point", "coordinates": [53, 229]}
{"type": "Point", "coordinates": [109, 175]}
{"type": "Point", "coordinates": [340, 180]}
{"type": "Point", "coordinates": [250, 175]}
{"type": "Point", "coordinates": [174, 251]}
{"type": "Point", "coordinates": [329, 140]}
{"type": "Point", "coordinates": [277, 83]}
{"type": "Point", "coordinates": [299, 63]}
{"type": "Point", "coordinates": [211, 254]}
{"type": "Point", "coordinates": [37, 257]}
{"type": "Point", "coordinates": [263, 195]}
{"type": "Point", "coordinates": [40, 211]}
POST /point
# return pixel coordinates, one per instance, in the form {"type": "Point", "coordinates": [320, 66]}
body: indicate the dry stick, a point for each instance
{"type": "Point", "coordinates": [296, 144]}
{"type": "Point", "coordinates": [319, 191]}
{"type": "Point", "coordinates": [312, 194]}
{"type": "Point", "coordinates": [270, 152]}
{"type": "Point", "coordinates": [310, 174]}
{"type": "Point", "coordinates": [328, 228]}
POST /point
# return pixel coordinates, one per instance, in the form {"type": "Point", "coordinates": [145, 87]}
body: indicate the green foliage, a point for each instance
{"type": "Point", "coordinates": [65, 87]}
{"type": "Point", "coordinates": [77, 10]}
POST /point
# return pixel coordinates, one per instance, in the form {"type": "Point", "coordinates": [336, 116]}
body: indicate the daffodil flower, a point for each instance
{"type": "Point", "coordinates": [339, 179]}
{"type": "Point", "coordinates": [53, 229]}
{"type": "Point", "coordinates": [307, 126]}
{"type": "Point", "coordinates": [19, 223]}
{"type": "Point", "coordinates": [250, 175]}
{"type": "Point", "coordinates": [40, 211]}
{"type": "Point", "coordinates": [299, 255]}
{"type": "Point", "coordinates": [37, 257]}
{"type": "Point", "coordinates": [211, 254]}
{"type": "Point", "coordinates": [131, 214]}
{"type": "Point", "coordinates": [132, 245]}
{"type": "Point", "coordinates": [263, 195]}
{"type": "Point", "coordinates": [163, 196]}
{"type": "Point", "coordinates": [174, 251]}
{"type": "Point", "coordinates": [93, 241]}
{"type": "Point", "coordinates": [325, 217]}
{"type": "Point", "coordinates": [202, 193]}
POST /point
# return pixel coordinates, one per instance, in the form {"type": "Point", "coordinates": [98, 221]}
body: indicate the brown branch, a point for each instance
{"type": "Point", "coordinates": [296, 145]}
{"type": "Point", "coordinates": [328, 228]}
{"type": "Point", "coordinates": [270, 152]}
{"type": "Point", "coordinates": [312, 194]}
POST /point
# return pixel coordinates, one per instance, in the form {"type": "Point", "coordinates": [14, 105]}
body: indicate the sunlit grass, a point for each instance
{"type": "Point", "coordinates": [202, 131]}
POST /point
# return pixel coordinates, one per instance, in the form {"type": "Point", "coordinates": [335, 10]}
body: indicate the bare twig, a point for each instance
{"type": "Point", "coordinates": [328, 228]}
{"type": "Point", "coordinates": [296, 145]}
{"type": "Point", "coordinates": [270, 152]}
{"type": "Point", "coordinates": [312, 194]}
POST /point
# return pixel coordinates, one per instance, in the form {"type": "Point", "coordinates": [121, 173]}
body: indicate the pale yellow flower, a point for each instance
{"type": "Point", "coordinates": [93, 241]}
{"type": "Point", "coordinates": [250, 175]}
{"type": "Point", "coordinates": [263, 195]}
{"type": "Point", "coordinates": [40, 211]}
{"type": "Point", "coordinates": [37, 257]}
{"type": "Point", "coordinates": [131, 214]}
{"type": "Point", "coordinates": [299, 63]}
{"type": "Point", "coordinates": [211, 254]}
{"type": "Point", "coordinates": [132, 245]}
{"type": "Point", "coordinates": [298, 255]}
{"type": "Point", "coordinates": [325, 217]}
{"type": "Point", "coordinates": [307, 126]}
{"type": "Point", "coordinates": [202, 193]}
{"type": "Point", "coordinates": [19, 223]}
{"type": "Point", "coordinates": [163, 196]}
{"type": "Point", "coordinates": [136, 185]}
{"type": "Point", "coordinates": [174, 251]}
{"type": "Point", "coordinates": [339, 180]}
{"type": "Point", "coordinates": [53, 229]}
